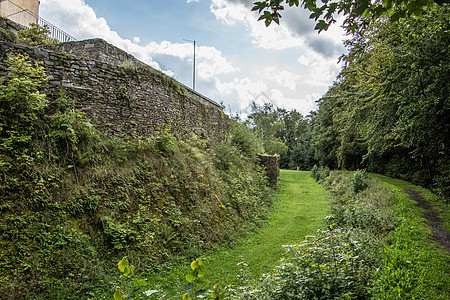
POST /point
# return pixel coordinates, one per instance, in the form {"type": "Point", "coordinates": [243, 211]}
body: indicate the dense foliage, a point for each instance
{"type": "Point", "coordinates": [374, 246]}
{"type": "Point", "coordinates": [388, 111]}
{"type": "Point", "coordinates": [35, 35]}
{"type": "Point", "coordinates": [285, 133]}
{"type": "Point", "coordinates": [358, 14]}
{"type": "Point", "coordinates": [73, 202]}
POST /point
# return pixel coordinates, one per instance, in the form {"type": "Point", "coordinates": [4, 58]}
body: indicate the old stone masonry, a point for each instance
{"type": "Point", "coordinates": [120, 93]}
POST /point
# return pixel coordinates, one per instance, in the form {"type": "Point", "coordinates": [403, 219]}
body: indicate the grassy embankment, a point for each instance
{"type": "Point", "coordinates": [434, 200]}
{"type": "Point", "coordinates": [74, 202]}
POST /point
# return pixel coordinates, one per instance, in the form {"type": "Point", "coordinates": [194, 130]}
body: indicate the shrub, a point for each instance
{"type": "Point", "coordinates": [7, 35]}
{"type": "Point", "coordinates": [359, 181]}
{"type": "Point", "coordinates": [329, 265]}
{"type": "Point", "coordinates": [442, 186]}
{"type": "Point", "coordinates": [320, 173]}
{"type": "Point", "coordinates": [245, 140]}
{"type": "Point", "coordinates": [34, 36]}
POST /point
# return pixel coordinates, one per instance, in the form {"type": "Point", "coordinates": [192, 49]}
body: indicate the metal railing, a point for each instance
{"type": "Point", "coordinates": [24, 17]}
{"type": "Point", "coordinates": [54, 32]}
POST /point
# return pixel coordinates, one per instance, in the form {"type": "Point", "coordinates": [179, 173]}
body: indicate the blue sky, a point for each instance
{"type": "Point", "coordinates": [238, 59]}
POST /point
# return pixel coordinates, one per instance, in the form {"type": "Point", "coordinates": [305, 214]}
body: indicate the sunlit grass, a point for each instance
{"type": "Point", "coordinates": [427, 194]}
{"type": "Point", "coordinates": [299, 208]}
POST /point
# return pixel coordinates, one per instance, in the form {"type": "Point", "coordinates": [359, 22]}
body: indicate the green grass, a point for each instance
{"type": "Point", "coordinates": [427, 194]}
{"type": "Point", "coordinates": [413, 267]}
{"type": "Point", "coordinates": [299, 208]}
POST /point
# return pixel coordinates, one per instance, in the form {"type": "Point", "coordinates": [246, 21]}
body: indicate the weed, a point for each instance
{"type": "Point", "coordinates": [358, 181]}
{"type": "Point", "coordinates": [35, 36]}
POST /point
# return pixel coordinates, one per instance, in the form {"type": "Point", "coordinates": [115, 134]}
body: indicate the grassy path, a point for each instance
{"type": "Point", "coordinates": [299, 208]}
{"type": "Point", "coordinates": [436, 214]}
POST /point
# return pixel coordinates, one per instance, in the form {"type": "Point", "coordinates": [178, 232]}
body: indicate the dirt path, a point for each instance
{"type": "Point", "coordinates": [440, 235]}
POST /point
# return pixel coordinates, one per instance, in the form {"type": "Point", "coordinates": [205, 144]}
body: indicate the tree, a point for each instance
{"type": "Point", "coordinates": [296, 134]}
{"type": "Point", "coordinates": [358, 13]}
{"type": "Point", "coordinates": [266, 123]}
{"type": "Point", "coordinates": [389, 109]}
{"type": "Point", "coordinates": [325, 133]}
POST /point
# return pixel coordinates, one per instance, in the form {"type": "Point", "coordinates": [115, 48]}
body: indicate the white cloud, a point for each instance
{"type": "Point", "coordinates": [189, 1]}
{"type": "Point", "coordinates": [85, 24]}
{"type": "Point", "coordinates": [272, 37]}
{"type": "Point", "coordinates": [245, 88]}
{"type": "Point", "coordinates": [322, 71]}
{"type": "Point", "coordinates": [287, 79]}
{"type": "Point", "coordinates": [212, 63]}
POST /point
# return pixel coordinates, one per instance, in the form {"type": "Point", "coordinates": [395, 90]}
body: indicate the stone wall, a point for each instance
{"type": "Point", "coordinates": [272, 166]}
{"type": "Point", "coordinates": [98, 50]}
{"type": "Point", "coordinates": [119, 99]}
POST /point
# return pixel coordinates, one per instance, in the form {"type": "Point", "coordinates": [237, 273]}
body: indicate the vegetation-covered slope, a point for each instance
{"type": "Point", "coordinates": [375, 245]}
{"type": "Point", "coordinates": [74, 202]}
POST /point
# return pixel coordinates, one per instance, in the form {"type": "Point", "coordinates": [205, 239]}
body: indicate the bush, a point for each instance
{"type": "Point", "coordinates": [359, 181]}
{"type": "Point", "coordinates": [34, 36]}
{"type": "Point", "coordinates": [442, 186]}
{"type": "Point", "coordinates": [245, 140]}
{"type": "Point", "coordinates": [329, 265]}
{"type": "Point", "coordinates": [320, 173]}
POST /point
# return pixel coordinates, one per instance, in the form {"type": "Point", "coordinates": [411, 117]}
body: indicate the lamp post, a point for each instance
{"type": "Point", "coordinates": [193, 75]}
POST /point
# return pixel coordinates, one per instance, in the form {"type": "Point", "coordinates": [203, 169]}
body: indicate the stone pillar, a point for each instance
{"type": "Point", "coordinates": [271, 164]}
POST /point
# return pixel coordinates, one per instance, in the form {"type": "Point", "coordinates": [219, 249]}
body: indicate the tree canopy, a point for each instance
{"type": "Point", "coordinates": [388, 110]}
{"type": "Point", "coordinates": [358, 13]}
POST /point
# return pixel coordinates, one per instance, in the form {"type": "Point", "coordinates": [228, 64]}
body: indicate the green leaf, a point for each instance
{"type": "Point", "coordinates": [190, 277]}
{"type": "Point", "coordinates": [202, 281]}
{"type": "Point", "coordinates": [194, 265]}
{"type": "Point", "coordinates": [127, 271]}
{"type": "Point", "coordinates": [322, 25]}
{"type": "Point", "coordinates": [363, 5]}
{"type": "Point", "coordinates": [122, 265]}
{"type": "Point", "coordinates": [259, 6]}
{"type": "Point", "coordinates": [118, 295]}
{"type": "Point", "coordinates": [140, 282]}
{"type": "Point", "coordinates": [201, 271]}
{"type": "Point", "coordinates": [186, 297]}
